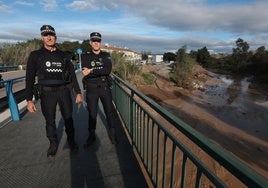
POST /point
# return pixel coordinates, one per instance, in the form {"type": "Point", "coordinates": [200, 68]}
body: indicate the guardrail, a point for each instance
{"type": "Point", "coordinates": [5, 68]}
{"type": "Point", "coordinates": [172, 153]}
{"type": "Point", "coordinates": [12, 103]}
{"type": "Point", "coordinates": [10, 98]}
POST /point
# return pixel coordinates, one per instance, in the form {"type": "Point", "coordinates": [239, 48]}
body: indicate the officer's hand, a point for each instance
{"type": "Point", "coordinates": [86, 71]}
{"type": "Point", "coordinates": [79, 98]}
{"type": "Point", "coordinates": [30, 106]}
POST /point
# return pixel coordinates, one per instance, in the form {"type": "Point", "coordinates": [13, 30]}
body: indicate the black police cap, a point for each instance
{"type": "Point", "coordinates": [95, 36]}
{"type": "Point", "coordinates": [47, 29]}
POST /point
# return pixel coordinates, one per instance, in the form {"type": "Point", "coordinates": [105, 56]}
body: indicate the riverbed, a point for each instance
{"type": "Point", "coordinates": [227, 110]}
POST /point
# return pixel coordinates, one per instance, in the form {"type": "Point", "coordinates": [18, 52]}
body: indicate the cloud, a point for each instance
{"type": "Point", "coordinates": [91, 4]}
{"type": "Point", "coordinates": [80, 5]}
{"type": "Point", "coordinates": [180, 16]}
{"type": "Point", "coordinates": [24, 3]}
{"type": "Point", "coordinates": [5, 9]}
{"type": "Point", "coordinates": [49, 5]}
{"type": "Point", "coordinates": [155, 26]}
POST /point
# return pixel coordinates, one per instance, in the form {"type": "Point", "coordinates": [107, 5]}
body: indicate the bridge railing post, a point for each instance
{"type": "Point", "coordinates": [132, 114]}
{"type": "Point", "coordinates": [14, 110]}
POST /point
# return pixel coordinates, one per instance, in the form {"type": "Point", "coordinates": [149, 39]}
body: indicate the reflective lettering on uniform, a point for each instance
{"type": "Point", "coordinates": [54, 66]}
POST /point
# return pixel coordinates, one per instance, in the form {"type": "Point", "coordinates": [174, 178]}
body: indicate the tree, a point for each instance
{"type": "Point", "coordinates": [259, 61]}
{"type": "Point", "coordinates": [240, 56]}
{"type": "Point", "coordinates": [17, 54]}
{"type": "Point", "coordinates": [261, 56]}
{"type": "Point", "coordinates": [193, 54]}
{"type": "Point", "coordinates": [69, 47]}
{"type": "Point", "coordinates": [183, 69]}
{"type": "Point", "coordinates": [144, 55]}
{"type": "Point", "coordinates": [85, 46]}
{"type": "Point", "coordinates": [203, 57]}
{"type": "Point", "coordinates": [169, 56]}
{"type": "Point", "coordinates": [241, 47]}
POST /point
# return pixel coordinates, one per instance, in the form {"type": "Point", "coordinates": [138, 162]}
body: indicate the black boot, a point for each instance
{"type": "Point", "coordinates": [91, 139]}
{"type": "Point", "coordinates": [51, 132]}
{"type": "Point", "coordinates": [112, 136]}
{"type": "Point", "coordinates": [52, 150]}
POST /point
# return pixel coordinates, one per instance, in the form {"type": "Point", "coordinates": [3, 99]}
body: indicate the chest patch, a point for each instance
{"type": "Point", "coordinates": [53, 66]}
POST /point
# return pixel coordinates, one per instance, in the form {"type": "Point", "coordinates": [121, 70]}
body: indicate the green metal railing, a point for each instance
{"type": "Point", "coordinates": [173, 153]}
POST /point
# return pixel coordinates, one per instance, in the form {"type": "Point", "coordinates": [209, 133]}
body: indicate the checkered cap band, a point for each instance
{"type": "Point", "coordinates": [47, 29]}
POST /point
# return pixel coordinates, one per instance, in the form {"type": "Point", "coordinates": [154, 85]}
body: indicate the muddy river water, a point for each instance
{"type": "Point", "coordinates": [236, 102]}
{"type": "Point", "coordinates": [236, 90]}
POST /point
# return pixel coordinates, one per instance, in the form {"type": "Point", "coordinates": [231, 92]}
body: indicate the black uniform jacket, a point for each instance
{"type": "Point", "coordinates": [49, 67]}
{"type": "Point", "coordinates": [101, 64]}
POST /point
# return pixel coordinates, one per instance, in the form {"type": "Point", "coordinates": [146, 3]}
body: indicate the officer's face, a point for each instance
{"type": "Point", "coordinates": [49, 40]}
{"type": "Point", "coordinates": [96, 45]}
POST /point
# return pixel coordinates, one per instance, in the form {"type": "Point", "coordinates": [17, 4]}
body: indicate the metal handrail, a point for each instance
{"type": "Point", "coordinates": [153, 131]}
{"type": "Point", "coordinates": [13, 105]}
{"type": "Point", "coordinates": [5, 68]}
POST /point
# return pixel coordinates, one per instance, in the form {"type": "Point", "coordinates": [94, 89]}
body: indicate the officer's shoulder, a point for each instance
{"type": "Point", "coordinates": [106, 54]}
{"type": "Point", "coordinates": [36, 52]}
{"type": "Point", "coordinates": [85, 54]}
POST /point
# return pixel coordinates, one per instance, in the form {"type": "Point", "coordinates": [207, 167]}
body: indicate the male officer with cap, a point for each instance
{"type": "Point", "coordinates": [97, 66]}
{"type": "Point", "coordinates": [55, 73]}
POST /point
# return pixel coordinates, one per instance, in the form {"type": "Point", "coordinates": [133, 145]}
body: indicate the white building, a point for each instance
{"type": "Point", "coordinates": [129, 54]}
{"type": "Point", "coordinates": [156, 59]}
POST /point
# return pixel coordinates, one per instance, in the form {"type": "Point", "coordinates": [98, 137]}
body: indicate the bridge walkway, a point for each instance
{"type": "Point", "coordinates": [23, 160]}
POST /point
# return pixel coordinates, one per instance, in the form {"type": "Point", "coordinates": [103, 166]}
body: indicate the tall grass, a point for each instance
{"type": "Point", "coordinates": [124, 68]}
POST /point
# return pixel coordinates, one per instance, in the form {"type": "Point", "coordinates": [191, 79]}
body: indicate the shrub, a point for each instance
{"type": "Point", "coordinates": [148, 78]}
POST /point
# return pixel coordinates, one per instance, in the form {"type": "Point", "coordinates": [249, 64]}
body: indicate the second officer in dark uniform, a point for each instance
{"type": "Point", "coordinates": [97, 66]}
{"type": "Point", "coordinates": [55, 73]}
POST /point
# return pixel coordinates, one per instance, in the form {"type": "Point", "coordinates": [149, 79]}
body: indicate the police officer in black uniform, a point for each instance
{"type": "Point", "coordinates": [97, 66]}
{"type": "Point", "coordinates": [56, 78]}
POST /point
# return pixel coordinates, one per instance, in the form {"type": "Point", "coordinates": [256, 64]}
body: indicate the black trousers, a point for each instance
{"type": "Point", "coordinates": [49, 102]}
{"type": "Point", "coordinates": [92, 98]}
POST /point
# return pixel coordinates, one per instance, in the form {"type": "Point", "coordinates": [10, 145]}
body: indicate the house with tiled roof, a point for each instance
{"type": "Point", "coordinates": [129, 54]}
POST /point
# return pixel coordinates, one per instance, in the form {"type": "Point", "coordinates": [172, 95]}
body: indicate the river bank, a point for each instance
{"type": "Point", "coordinates": [222, 112]}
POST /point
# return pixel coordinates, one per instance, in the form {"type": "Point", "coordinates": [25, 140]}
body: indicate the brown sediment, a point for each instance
{"type": "Point", "coordinates": [239, 129]}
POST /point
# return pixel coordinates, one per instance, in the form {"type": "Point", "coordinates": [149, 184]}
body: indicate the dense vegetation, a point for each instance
{"type": "Point", "coordinates": [241, 60]}
{"type": "Point", "coordinates": [17, 54]}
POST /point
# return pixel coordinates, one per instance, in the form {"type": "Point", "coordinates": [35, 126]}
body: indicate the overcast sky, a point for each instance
{"type": "Point", "coordinates": [155, 26]}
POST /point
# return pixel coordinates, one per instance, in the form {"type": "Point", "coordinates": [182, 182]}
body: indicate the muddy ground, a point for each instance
{"type": "Point", "coordinates": [241, 127]}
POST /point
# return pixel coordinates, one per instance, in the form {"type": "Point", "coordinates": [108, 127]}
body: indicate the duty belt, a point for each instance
{"type": "Point", "coordinates": [52, 88]}
{"type": "Point", "coordinates": [100, 85]}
